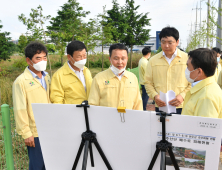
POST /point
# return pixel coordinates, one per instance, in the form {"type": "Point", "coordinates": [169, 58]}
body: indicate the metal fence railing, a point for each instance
{"type": "Point", "coordinates": [13, 152]}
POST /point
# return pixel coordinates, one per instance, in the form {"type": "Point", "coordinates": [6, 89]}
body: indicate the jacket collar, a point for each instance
{"type": "Point", "coordinates": [179, 53]}
{"type": "Point", "coordinates": [202, 84]}
{"type": "Point", "coordinates": [28, 74]}
{"type": "Point", "coordinates": [35, 76]}
{"type": "Point", "coordinates": [111, 74]}
{"type": "Point", "coordinates": [67, 69]}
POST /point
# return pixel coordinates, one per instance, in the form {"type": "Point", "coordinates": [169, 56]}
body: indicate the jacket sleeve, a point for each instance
{"type": "Point", "coordinates": [20, 110]}
{"type": "Point", "coordinates": [219, 81]}
{"type": "Point", "coordinates": [138, 105]}
{"type": "Point", "coordinates": [143, 69]}
{"type": "Point", "coordinates": [149, 85]}
{"type": "Point", "coordinates": [94, 95]}
{"type": "Point", "coordinates": [206, 107]}
{"type": "Point", "coordinates": [56, 90]}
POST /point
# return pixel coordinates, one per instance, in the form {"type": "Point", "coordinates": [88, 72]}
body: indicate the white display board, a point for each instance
{"type": "Point", "coordinates": [128, 145]}
{"type": "Point", "coordinates": [196, 141]}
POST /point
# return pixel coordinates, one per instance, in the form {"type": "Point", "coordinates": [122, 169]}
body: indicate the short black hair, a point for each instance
{"type": "Point", "coordinates": [217, 50]}
{"type": "Point", "coordinates": [146, 50]}
{"type": "Point", "coordinates": [169, 32]}
{"type": "Point", "coordinates": [205, 59]}
{"type": "Point", "coordinates": [33, 48]}
{"type": "Point", "coordinates": [75, 46]}
{"type": "Point", "coordinates": [118, 46]}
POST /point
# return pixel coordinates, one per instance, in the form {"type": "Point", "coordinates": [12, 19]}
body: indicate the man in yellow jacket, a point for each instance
{"type": "Point", "coordinates": [71, 83]}
{"type": "Point", "coordinates": [32, 86]}
{"type": "Point", "coordinates": [115, 86]}
{"type": "Point", "coordinates": [165, 71]}
{"type": "Point", "coordinates": [205, 97]}
{"type": "Point", "coordinates": [142, 68]}
{"type": "Point", "coordinates": [218, 68]}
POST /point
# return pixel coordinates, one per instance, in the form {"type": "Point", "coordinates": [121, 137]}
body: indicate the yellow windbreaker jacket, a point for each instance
{"type": "Point", "coordinates": [27, 90]}
{"type": "Point", "coordinates": [217, 72]}
{"type": "Point", "coordinates": [66, 88]}
{"type": "Point", "coordinates": [142, 68]}
{"type": "Point", "coordinates": [204, 99]}
{"type": "Point", "coordinates": [107, 90]}
{"type": "Point", "coordinates": [160, 76]}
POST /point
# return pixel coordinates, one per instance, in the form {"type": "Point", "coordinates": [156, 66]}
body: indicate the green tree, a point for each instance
{"type": "Point", "coordinates": [22, 43]}
{"type": "Point", "coordinates": [198, 38]}
{"type": "Point", "coordinates": [115, 19]}
{"type": "Point", "coordinates": [106, 36]}
{"type": "Point", "coordinates": [1, 25]}
{"type": "Point", "coordinates": [51, 48]}
{"type": "Point", "coordinates": [136, 33]}
{"type": "Point", "coordinates": [89, 35]}
{"type": "Point", "coordinates": [130, 26]}
{"type": "Point", "coordinates": [68, 20]}
{"type": "Point", "coordinates": [66, 26]}
{"type": "Point", "coordinates": [35, 24]}
{"type": "Point", "coordinates": [5, 45]}
{"type": "Point", "coordinates": [59, 40]}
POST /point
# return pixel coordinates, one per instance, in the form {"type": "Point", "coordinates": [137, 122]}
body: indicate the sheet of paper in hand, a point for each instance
{"type": "Point", "coordinates": [166, 97]}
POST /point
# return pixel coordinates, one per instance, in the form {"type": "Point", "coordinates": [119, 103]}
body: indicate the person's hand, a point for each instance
{"type": "Point", "coordinates": [159, 102]}
{"type": "Point", "coordinates": [30, 141]}
{"type": "Point", "coordinates": [177, 101]}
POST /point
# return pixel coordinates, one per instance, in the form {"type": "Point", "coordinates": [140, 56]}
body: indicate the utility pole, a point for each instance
{"type": "Point", "coordinates": [219, 31]}
{"type": "Point", "coordinates": [200, 17]}
{"type": "Point", "coordinates": [208, 31]}
{"type": "Point", "coordinates": [196, 23]}
{"type": "Point", "coordinates": [212, 40]}
{"type": "Point", "coordinates": [190, 35]}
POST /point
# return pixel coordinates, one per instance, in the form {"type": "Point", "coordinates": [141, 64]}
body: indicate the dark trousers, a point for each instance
{"type": "Point", "coordinates": [35, 156]}
{"type": "Point", "coordinates": [178, 110]}
{"type": "Point", "coordinates": [145, 97]}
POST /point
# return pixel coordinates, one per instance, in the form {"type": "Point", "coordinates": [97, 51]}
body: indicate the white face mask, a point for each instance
{"type": "Point", "coordinates": [187, 75]}
{"type": "Point", "coordinates": [116, 70]}
{"type": "Point", "coordinates": [79, 64]}
{"type": "Point", "coordinates": [218, 59]}
{"type": "Point", "coordinates": [40, 66]}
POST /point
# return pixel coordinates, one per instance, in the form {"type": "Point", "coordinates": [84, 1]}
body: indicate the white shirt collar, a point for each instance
{"type": "Point", "coordinates": [174, 54]}
{"type": "Point", "coordinates": [170, 59]}
{"type": "Point", "coordinates": [195, 83]}
{"type": "Point", "coordinates": [35, 76]}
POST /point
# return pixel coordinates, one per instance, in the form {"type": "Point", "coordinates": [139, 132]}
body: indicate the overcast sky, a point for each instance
{"type": "Point", "coordinates": [177, 13]}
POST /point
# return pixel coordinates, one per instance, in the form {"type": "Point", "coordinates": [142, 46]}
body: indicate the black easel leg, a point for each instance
{"type": "Point", "coordinates": [154, 159]}
{"type": "Point", "coordinates": [173, 159]}
{"type": "Point", "coordinates": [91, 154]}
{"type": "Point", "coordinates": [85, 156]}
{"type": "Point", "coordinates": [78, 155]}
{"type": "Point", "coordinates": [102, 154]}
{"type": "Point", "coordinates": [163, 161]}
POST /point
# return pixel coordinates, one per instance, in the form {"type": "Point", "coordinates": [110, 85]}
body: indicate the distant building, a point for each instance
{"type": "Point", "coordinates": [153, 43]}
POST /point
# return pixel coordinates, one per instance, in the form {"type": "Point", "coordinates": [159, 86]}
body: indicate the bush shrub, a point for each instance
{"type": "Point", "coordinates": [56, 64]}
{"type": "Point", "coordinates": [20, 63]}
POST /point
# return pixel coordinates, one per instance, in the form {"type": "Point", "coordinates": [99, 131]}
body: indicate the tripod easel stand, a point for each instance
{"type": "Point", "coordinates": [89, 137]}
{"type": "Point", "coordinates": [163, 146]}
